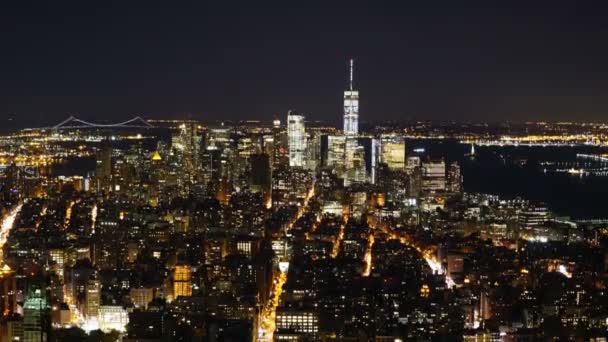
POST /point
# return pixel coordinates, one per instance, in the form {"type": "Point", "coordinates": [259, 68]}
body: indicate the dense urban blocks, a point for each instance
{"type": "Point", "coordinates": [193, 231]}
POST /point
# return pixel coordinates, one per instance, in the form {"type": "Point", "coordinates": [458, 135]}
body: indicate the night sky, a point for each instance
{"type": "Point", "coordinates": [422, 60]}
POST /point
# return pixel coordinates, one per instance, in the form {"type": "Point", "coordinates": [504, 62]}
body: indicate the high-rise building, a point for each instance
{"type": "Point", "coordinates": [485, 307]}
{"type": "Point", "coordinates": [34, 314]}
{"type": "Point", "coordinates": [297, 139]}
{"type": "Point", "coordinates": [186, 144]}
{"type": "Point", "coordinates": [336, 145]}
{"type": "Point", "coordinates": [372, 150]}
{"type": "Point", "coordinates": [534, 215]}
{"type": "Point", "coordinates": [182, 281]}
{"type": "Point", "coordinates": [103, 169]}
{"type": "Point", "coordinates": [433, 176]}
{"type": "Point", "coordinates": [13, 178]}
{"type": "Point", "coordinates": [8, 291]}
{"type": "Point", "coordinates": [351, 107]}
{"type": "Point", "coordinates": [268, 147]}
{"type": "Point", "coordinates": [455, 266]}
{"type": "Point", "coordinates": [454, 178]}
{"type": "Point", "coordinates": [296, 324]}
{"type": "Point", "coordinates": [218, 137]}
{"type": "Point", "coordinates": [141, 296]}
{"type": "Point", "coordinates": [313, 151]}
{"type": "Point", "coordinates": [411, 164]}
{"type": "Point", "coordinates": [14, 328]}
{"type": "Point", "coordinates": [261, 175]}
{"type": "Point", "coordinates": [93, 298]}
{"type": "Point", "coordinates": [415, 181]}
{"type": "Point", "coordinates": [281, 144]}
{"type": "Point", "coordinates": [355, 168]}
{"type": "Point", "coordinates": [393, 153]}
{"type": "Point", "coordinates": [352, 153]}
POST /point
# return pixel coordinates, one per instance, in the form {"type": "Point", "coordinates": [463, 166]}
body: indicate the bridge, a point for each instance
{"type": "Point", "coordinates": [76, 123]}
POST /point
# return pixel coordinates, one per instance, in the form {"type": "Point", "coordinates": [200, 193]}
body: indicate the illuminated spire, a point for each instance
{"type": "Point", "coordinates": [156, 156]}
{"type": "Point", "coordinates": [351, 106]}
{"type": "Point", "coordinates": [351, 73]}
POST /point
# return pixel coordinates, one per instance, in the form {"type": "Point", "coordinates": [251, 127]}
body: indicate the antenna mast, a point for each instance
{"type": "Point", "coordinates": [351, 74]}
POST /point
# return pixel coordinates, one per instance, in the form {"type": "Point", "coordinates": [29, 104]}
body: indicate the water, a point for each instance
{"type": "Point", "coordinates": [505, 171]}
{"type": "Point", "coordinates": [74, 167]}
{"type": "Point", "coordinates": [516, 171]}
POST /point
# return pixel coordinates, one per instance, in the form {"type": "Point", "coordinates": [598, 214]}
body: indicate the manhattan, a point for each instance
{"type": "Point", "coordinates": [261, 173]}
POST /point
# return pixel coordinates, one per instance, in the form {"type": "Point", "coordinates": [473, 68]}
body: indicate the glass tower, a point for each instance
{"type": "Point", "coordinates": [297, 139]}
{"type": "Point", "coordinates": [351, 108]}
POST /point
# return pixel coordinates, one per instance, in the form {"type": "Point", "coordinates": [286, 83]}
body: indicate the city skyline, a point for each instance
{"type": "Point", "coordinates": [469, 62]}
{"type": "Point", "coordinates": [227, 172]}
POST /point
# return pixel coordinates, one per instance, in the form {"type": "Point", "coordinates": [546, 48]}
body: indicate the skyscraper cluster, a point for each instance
{"type": "Point", "coordinates": [282, 230]}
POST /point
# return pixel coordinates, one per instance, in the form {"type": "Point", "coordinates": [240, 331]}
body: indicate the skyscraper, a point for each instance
{"type": "Point", "coordinates": [355, 170]}
{"type": "Point", "coordinates": [372, 155]}
{"type": "Point", "coordinates": [393, 153]}
{"type": "Point", "coordinates": [182, 281]}
{"type": "Point", "coordinates": [351, 131]}
{"type": "Point", "coordinates": [33, 318]}
{"type": "Point", "coordinates": [261, 176]}
{"type": "Point", "coordinates": [297, 139]}
{"type": "Point", "coordinates": [433, 176]}
{"type": "Point", "coordinates": [8, 291]}
{"type": "Point", "coordinates": [454, 178]}
{"type": "Point", "coordinates": [93, 295]}
{"type": "Point", "coordinates": [103, 170]}
{"type": "Point", "coordinates": [351, 107]}
{"type": "Point", "coordinates": [335, 153]}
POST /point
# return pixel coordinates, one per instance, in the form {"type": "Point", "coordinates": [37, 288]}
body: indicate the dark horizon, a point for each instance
{"type": "Point", "coordinates": [467, 63]}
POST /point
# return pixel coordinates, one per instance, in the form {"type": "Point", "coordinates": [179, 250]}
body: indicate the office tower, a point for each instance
{"type": "Point", "coordinates": [76, 280]}
{"type": "Point", "coordinates": [372, 154]}
{"type": "Point", "coordinates": [376, 150]}
{"type": "Point", "coordinates": [433, 175]}
{"type": "Point", "coordinates": [212, 165]}
{"type": "Point", "coordinates": [268, 147]}
{"type": "Point", "coordinates": [534, 216]}
{"type": "Point", "coordinates": [485, 308]}
{"type": "Point", "coordinates": [187, 146]}
{"type": "Point", "coordinates": [323, 149]}
{"type": "Point", "coordinates": [281, 145]}
{"type": "Point", "coordinates": [12, 180]}
{"type": "Point", "coordinates": [393, 153]}
{"type": "Point", "coordinates": [218, 138]}
{"type": "Point", "coordinates": [411, 164]}
{"type": "Point", "coordinates": [182, 281]}
{"type": "Point", "coordinates": [351, 158]}
{"type": "Point", "coordinates": [455, 265]}
{"type": "Point", "coordinates": [34, 314]}
{"type": "Point", "coordinates": [188, 142]}
{"type": "Point", "coordinates": [454, 178]}
{"type": "Point", "coordinates": [336, 146]}
{"type": "Point", "coordinates": [93, 298]}
{"type": "Point", "coordinates": [103, 169]}
{"type": "Point", "coordinates": [217, 153]}
{"type": "Point", "coordinates": [355, 169]}
{"type": "Point", "coordinates": [8, 291]}
{"type": "Point", "coordinates": [297, 324]}
{"type": "Point", "coordinates": [261, 176]}
{"type": "Point", "coordinates": [351, 130]}
{"type": "Point", "coordinates": [297, 139]}
{"type": "Point", "coordinates": [141, 296]}
{"type": "Point", "coordinates": [14, 328]}
{"type": "Point", "coordinates": [415, 182]}
{"type": "Point", "coordinates": [313, 151]}
{"type": "Point", "coordinates": [351, 107]}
